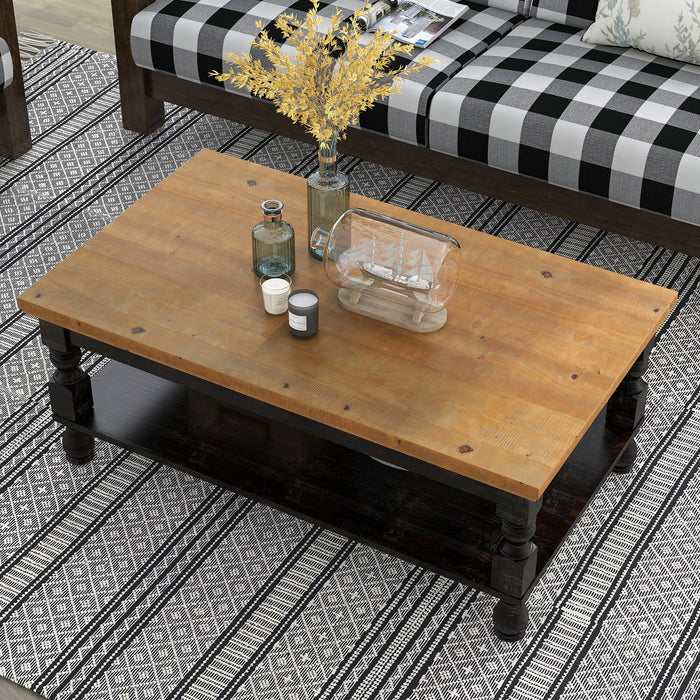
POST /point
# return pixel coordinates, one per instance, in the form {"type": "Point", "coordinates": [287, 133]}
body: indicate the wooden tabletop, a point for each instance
{"type": "Point", "coordinates": [533, 347]}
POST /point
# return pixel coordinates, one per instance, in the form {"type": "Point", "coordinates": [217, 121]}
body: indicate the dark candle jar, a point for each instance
{"type": "Point", "coordinates": [303, 313]}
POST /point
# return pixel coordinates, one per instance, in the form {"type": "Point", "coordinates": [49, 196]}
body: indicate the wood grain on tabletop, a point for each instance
{"type": "Point", "coordinates": [533, 347]}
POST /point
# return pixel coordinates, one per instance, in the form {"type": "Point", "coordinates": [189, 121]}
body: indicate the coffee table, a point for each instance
{"type": "Point", "coordinates": [497, 429]}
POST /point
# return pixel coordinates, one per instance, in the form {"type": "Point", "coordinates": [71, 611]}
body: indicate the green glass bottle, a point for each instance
{"type": "Point", "coordinates": [328, 194]}
{"type": "Point", "coordinates": [273, 242]}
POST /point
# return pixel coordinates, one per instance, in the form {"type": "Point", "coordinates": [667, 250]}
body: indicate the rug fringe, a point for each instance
{"type": "Point", "coordinates": [30, 43]}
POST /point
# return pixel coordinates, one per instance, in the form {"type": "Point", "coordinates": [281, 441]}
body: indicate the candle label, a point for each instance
{"type": "Point", "coordinates": [298, 323]}
{"type": "Point", "coordinates": [276, 303]}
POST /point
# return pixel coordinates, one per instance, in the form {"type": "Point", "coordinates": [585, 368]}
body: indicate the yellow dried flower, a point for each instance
{"type": "Point", "coordinates": [331, 79]}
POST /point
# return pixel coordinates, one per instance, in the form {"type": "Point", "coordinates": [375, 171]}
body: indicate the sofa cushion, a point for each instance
{"type": "Point", "coordinates": [518, 7]}
{"type": "Point", "coordinates": [608, 121]}
{"type": "Point", "coordinates": [572, 13]}
{"type": "Point", "coordinates": [6, 71]}
{"type": "Point", "coordinates": [403, 114]}
{"type": "Point", "coordinates": [189, 38]}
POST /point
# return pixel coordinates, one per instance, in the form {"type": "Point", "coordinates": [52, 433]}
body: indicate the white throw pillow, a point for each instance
{"type": "Point", "coordinates": [662, 27]}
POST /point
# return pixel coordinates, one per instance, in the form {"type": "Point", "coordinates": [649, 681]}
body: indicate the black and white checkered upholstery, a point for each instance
{"type": "Point", "coordinates": [609, 121]}
{"type": "Point", "coordinates": [523, 95]}
{"type": "Point", "coordinates": [516, 6]}
{"type": "Point", "coordinates": [6, 71]}
{"type": "Point", "coordinates": [573, 13]}
{"type": "Point", "coordinates": [403, 116]}
{"type": "Point", "coordinates": [189, 38]}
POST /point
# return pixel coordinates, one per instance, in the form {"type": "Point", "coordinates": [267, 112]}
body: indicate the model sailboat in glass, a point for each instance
{"type": "Point", "coordinates": [390, 270]}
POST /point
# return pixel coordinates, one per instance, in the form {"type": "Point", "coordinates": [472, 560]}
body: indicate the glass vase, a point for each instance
{"type": "Point", "coordinates": [273, 242]}
{"type": "Point", "coordinates": [328, 193]}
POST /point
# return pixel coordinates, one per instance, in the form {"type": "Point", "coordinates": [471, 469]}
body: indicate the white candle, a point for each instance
{"type": "Point", "coordinates": [275, 293]}
{"type": "Point", "coordinates": [276, 285]}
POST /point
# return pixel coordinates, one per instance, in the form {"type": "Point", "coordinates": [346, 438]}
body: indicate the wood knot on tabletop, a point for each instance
{"type": "Point", "coordinates": [546, 274]}
{"type": "Point", "coordinates": [464, 449]}
{"type": "Point", "coordinates": [138, 329]}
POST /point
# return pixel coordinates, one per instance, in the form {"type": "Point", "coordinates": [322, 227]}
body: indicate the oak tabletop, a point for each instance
{"type": "Point", "coordinates": [533, 347]}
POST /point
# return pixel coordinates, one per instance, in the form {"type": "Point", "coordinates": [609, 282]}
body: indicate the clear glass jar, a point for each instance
{"type": "Point", "coordinates": [273, 242]}
{"type": "Point", "coordinates": [390, 270]}
{"type": "Point", "coordinates": [328, 193]}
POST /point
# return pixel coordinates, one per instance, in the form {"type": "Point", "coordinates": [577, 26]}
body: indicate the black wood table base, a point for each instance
{"type": "Point", "coordinates": [476, 534]}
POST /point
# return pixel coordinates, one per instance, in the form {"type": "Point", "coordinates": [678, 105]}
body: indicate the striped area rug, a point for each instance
{"type": "Point", "coordinates": [125, 578]}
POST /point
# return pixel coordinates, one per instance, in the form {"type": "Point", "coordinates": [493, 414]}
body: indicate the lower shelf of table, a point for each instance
{"type": "Point", "coordinates": [444, 529]}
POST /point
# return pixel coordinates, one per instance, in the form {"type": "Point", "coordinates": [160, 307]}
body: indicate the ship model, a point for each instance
{"type": "Point", "coordinates": [390, 270]}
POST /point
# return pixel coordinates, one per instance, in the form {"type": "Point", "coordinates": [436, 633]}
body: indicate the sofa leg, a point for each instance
{"type": "Point", "coordinates": [140, 112]}
{"type": "Point", "coordinates": [15, 138]}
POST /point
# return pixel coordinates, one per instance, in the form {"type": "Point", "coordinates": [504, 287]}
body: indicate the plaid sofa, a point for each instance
{"type": "Point", "coordinates": [619, 124]}
{"type": "Point", "coordinates": [188, 38]}
{"type": "Point", "coordinates": [515, 89]}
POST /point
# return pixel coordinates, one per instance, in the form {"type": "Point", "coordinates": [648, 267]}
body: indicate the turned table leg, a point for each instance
{"type": "Point", "coordinates": [626, 407]}
{"type": "Point", "coordinates": [514, 565]}
{"type": "Point", "coordinates": [69, 391]}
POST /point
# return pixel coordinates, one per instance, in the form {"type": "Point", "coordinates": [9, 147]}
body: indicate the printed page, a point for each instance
{"type": "Point", "coordinates": [419, 23]}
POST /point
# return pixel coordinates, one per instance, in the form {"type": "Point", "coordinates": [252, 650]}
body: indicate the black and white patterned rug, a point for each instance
{"type": "Point", "coordinates": [125, 578]}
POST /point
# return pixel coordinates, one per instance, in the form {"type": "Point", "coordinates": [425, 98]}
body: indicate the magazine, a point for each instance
{"type": "Point", "coordinates": [416, 22]}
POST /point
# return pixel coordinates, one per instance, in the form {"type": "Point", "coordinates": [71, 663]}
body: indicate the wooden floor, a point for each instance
{"type": "Point", "coordinates": [10, 691]}
{"type": "Point", "coordinates": [83, 22]}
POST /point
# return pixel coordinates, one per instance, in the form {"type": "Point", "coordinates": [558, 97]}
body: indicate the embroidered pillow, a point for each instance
{"type": "Point", "coordinates": [662, 27]}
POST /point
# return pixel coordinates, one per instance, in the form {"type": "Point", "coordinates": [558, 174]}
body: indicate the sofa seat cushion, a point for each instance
{"type": "Point", "coordinates": [6, 71]}
{"type": "Point", "coordinates": [608, 121]}
{"type": "Point", "coordinates": [519, 7]}
{"type": "Point", "coordinates": [188, 38]}
{"type": "Point", "coordinates": [403, 115]}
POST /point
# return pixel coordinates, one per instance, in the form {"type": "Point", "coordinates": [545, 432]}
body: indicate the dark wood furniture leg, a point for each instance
{"type": "Point", "coordinates": [514, 565]}
{"type": "Point", "coordinates": [15, 137]}
{"type": "Point", "coordinates": [626, 407]}
{"type": "Point", "coordinates": [140, 112]}
{"type": "Point", "coordinates": [70, 391]}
